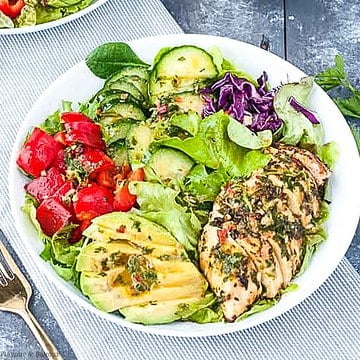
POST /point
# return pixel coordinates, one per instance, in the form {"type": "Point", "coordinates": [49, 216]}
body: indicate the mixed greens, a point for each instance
{"type": "Point", "coordinates": [20, 13]}
{"type": "Point", "coordinates": [142, 163]}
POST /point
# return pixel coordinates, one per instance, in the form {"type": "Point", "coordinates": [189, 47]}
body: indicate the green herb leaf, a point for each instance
{"type": "Point", "coordinates": [109, 58]}
{"type": "Point", "coordinates": [334, 76]}
{"type": "Point", "coordinates": [356, 132]}
{"type": "Point", "coordinates": [350, 106]}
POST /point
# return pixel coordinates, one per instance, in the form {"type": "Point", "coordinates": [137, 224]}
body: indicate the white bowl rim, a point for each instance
{"type": "Point", "coordinates": [54, 23]}
{"type": "Point", "coordinates": [166, 329]}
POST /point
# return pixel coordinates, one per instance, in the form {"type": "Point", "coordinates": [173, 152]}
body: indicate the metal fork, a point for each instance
{"type": "Point", "coordinates": [15, 292]}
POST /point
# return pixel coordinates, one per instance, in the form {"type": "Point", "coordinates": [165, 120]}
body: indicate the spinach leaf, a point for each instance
{"type": "Point", "coordinates": [109, 58]}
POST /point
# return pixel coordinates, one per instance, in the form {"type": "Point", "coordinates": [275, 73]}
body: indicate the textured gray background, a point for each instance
{"type": "Point", "coordinates": [307, 32]}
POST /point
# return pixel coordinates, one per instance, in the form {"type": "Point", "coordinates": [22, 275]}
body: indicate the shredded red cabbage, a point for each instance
{"type": "Point", "coordinates": [300, 108]}
{"type": "Point", "coordinates": [254, 107]}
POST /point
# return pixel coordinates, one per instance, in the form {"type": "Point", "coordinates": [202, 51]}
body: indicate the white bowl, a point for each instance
{"type": "Point", "coordinates": [79, 84]}
{"type": "Point", "coordinates": [51, 24]}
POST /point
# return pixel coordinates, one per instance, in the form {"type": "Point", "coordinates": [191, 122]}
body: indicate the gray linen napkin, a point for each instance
{"type": "Point", "coordinates": [325, 326]}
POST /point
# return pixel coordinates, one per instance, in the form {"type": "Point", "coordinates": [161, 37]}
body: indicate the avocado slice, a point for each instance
{"type": "Point", "coordinates": [133, 262]}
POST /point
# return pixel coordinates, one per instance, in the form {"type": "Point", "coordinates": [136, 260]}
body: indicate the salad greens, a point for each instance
{"type": "Point", "coordinates": [188, 137]}
{"type": "Point", "coordinates": [34, 12]}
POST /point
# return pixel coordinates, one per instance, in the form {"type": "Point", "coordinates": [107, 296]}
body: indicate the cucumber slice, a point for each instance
{"type": "Point", "coordinates": [138, 142]}
{"type": "Point", "coordinates": [124, 86]}
{"type": "Point", "coordinates": [189, 62]}
{"type": "Point", "coordinates": [170, 164]}
{"type": "Point", "coordinates": [118, 154]}
{"type": "Point", "coordinates": [114, 98]}
{"type": "Point", "coordinates": [114, 128]}
{"type": "Point", "coordinates": [187, 101]}
{"type": "Point", "coordinates": [139, 83]}
{"type": "Point", "coordinates": [134, 71]}
{"type": "Point", "coordinates": [124, 111]}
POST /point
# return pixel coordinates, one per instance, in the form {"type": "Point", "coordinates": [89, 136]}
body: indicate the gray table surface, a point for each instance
{"type": "Point", "coordinates": [308, 33]}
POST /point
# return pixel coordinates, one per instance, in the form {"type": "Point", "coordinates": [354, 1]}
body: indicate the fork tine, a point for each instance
{"type": "Point", "coordinates": [9, 265]}
{"type": "Point", "coordinates": [3, 281]}
{"type": "Point", "coordinates": [5, 268]}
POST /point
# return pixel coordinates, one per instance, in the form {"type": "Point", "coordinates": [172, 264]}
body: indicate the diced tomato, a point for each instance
{"type": "Point", "coordinates": [52, 216]}
{"type": "Point", "coordinates": [87, 133]}
{"type": "Point", "coordinates": [38, 152]}
{"type": "Point", "coordinates": [59, 161]}
{"type": "Point", "coordinates": [222, 235]}
{"type": "Point", "coordinates": [60, 138]}
{"type": "Point", "coordinates": [95, 160]}
{"type": "Point", "coordinates": [124, 173]}
{"type": "Point", "coordinates": [11, 8]}
{"type": "Point", "coordinates": [92, 201]}
{"type": "Point", "coordinates": [76, 235]}
{"type": "Point", "coordinates": [136, 175]}
{"type": "Point", "coordinates": [106, 178]}
{"type": "Point", "coordinates": [72, 116]}
{"type": "Point", "coordinates": [62, 195]}
{"type": "Point", "coordinates": [124, 200]}
{"type": "Point", "coordinates": [45, 186]}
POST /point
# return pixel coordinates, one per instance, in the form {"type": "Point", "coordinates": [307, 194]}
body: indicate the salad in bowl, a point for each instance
{"type": "Point", "coordinates": [24, 13]}
{"type": "Point", "coordinates": [182, 190]}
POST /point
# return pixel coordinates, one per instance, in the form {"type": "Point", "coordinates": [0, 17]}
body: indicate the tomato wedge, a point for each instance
{"type": "Point", "coordinates": [63, 197]}
{"type": "Point", "coordinates": [60, 138]}
{"type": "Point", "coordinates": [123, 199]}
{"type": "Point", "coordinates": [52, 216]}
{"type": "Point", "coordinates": [72, 116]}
{"type": "Point", "coordinates": [38, 152]}
{"type": "Point", "coordinates": [59, 161]}
{"type": "Point", "coordinates": [87, 133]}
{"type": "Point", "coordinates": [136, 175]}
{"type": "Point", "coordinates": [76, 235]}
{"type": "Point", "coordinates": [93, 201]}
{"type": "Point", "coordinates": [11, 8]}
{"type": "Point", "coordinates": [45, 186]}
{"type": "Point", "coordinates": [106, 178]}
{"type": "Point", "coordinates": [95, 160]}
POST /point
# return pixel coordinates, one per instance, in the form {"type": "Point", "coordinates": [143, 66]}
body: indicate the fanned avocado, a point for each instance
{"type": "Point", "coordinates": [132, 264]}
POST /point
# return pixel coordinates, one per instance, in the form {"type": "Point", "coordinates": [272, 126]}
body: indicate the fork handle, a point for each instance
{"type": "Point", "coordinates": [45, 342]}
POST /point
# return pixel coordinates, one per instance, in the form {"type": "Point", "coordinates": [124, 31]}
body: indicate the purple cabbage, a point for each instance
{"type": "Point", "coordinates": [253, 107]}
{"type": "Point", "coordinates": [300, 108]}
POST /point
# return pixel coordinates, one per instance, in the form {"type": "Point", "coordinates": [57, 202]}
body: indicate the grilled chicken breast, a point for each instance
{"type": "Point", "coordinates": [253, 244]}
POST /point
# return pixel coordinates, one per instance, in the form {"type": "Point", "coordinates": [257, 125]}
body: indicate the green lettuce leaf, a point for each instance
{"type": "Point", "coordinates": [203, 311]}
{"type": "Point", "coordinates": [213, 129]}
{"type": "Point", "coordinates": [252, 161]}
{"type": "Point", "coordinates": [52, 123]}
{"type": "Point", "coordinates": [27, 16]}
{"type": "Point", "coordinates": [259, 306]}
{"type": "Point", "coordinates": [223, 66]}
{"type": "Point", "coordinates": [158, 203]}
{"type": "Point", "coordinates": [89, 108]}
{"type": "Point", "coordinates": [296, 127]}
{"type": "Point", "coordinates": [188, 122]}
{"type": "Point", "coordinates": [329, 154]}
{"type": "Point", "coordinates": [244, 137]}
{"type": "Point", "coordinates": [29, 208]}
{"type": "Point", "coordinates": [203, 184]}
